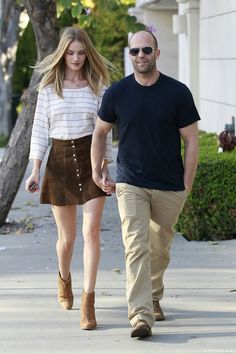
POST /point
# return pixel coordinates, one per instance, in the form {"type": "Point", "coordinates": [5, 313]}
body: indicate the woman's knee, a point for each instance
{"type": "Point", "coordinates": [91, 233]}
{"type": "Point", "coordinates": [66, 245]}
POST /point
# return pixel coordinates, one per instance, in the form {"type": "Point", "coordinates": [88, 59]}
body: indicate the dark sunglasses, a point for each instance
{"type": "Point", "coordinates": [145, 50]}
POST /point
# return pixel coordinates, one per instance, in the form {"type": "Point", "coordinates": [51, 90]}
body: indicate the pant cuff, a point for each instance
{"type": "Point", "coordinates": [149, 319]}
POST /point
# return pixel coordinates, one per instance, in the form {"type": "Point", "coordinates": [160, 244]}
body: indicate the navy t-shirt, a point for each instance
{"type": "Point", "coordinates": [148, 119]}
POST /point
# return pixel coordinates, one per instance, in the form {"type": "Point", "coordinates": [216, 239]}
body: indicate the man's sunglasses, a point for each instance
{"type": "Point", "coordinates": [145, 50]}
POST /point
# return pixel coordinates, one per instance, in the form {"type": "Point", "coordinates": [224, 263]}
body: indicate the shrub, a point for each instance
{"type": "Point", "coordinates": [3, 141]}
{"type": "Point", "coordinates": [210, 210]}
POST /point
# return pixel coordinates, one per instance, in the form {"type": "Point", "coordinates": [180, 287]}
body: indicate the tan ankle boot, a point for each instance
{"type": "Point", "coordinates": [65, 295]}
{"type": "Point", "coordinates": [87, 319]}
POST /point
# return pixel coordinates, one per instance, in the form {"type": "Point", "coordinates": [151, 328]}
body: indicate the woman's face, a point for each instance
{"type": "Point", "coordinates": [75, 56]}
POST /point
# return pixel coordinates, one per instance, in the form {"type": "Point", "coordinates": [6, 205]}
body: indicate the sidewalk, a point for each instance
{"type": "Point", "coordinates": [199, 301]}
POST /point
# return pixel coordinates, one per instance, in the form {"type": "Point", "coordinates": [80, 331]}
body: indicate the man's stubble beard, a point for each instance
{"type": "Point", "coordinates": [151, 66]}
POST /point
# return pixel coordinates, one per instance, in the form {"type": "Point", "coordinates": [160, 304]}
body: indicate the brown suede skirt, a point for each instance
{"type": "Point", "coordinates": [68, 174]}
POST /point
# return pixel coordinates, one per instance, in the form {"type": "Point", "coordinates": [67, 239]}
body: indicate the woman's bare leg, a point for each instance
{"type": "Point", "coordinates": [92, 214]}
{"type": "Point", "coordinates": [65, 217]}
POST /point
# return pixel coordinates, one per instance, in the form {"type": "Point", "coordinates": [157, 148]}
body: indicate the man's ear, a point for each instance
{"type": "Point", "coordinates": [158, 52]}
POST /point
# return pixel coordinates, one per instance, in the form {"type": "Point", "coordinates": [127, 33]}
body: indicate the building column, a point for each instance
{"type": "Point", "coordinates": [186, 25]}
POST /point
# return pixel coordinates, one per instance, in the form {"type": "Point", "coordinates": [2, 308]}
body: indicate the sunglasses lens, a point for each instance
{"type": "Point", "coordinates": [134, 51]}
{"type": "Point", "coordinates": [147, 50]}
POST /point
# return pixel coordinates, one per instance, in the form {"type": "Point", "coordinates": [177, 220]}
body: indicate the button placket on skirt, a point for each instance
{"type": "Point", "coordinates": [76, 164]}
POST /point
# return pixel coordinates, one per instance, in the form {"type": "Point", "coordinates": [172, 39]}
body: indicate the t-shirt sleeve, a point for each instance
{"type": "Point", "coordinates": [107, 111]}
{"type": "Point", "coordinates": [186, 110]}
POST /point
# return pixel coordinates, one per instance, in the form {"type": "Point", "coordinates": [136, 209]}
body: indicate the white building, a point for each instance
{"type": "Point", "coordinates": [198, 46]}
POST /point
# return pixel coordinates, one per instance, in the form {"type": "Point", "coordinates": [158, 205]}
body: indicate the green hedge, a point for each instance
{"type": "Point", "coordinates": [210, 210]}
{"type": "Point", "coordinates": [3, 141]}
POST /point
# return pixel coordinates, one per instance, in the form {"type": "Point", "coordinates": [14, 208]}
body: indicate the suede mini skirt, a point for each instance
{"type": "Point", "coordinates": [68, 174]}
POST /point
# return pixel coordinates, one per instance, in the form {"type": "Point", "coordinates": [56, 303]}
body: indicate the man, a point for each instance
{"type": "Point", "coordinates": [153, 112]}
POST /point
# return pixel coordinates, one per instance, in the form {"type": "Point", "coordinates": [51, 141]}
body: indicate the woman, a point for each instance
{"type": "Point", "coordinates": [70, 92]}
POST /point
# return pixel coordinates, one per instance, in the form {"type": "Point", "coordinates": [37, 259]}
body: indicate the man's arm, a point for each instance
{"type": "Point", "coordinates": [98, 149]}
{"type": "Point", "coordinates": [189, 135]}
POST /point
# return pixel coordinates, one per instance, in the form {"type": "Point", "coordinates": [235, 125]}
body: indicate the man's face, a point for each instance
{"type": "Point", "coordinates": [145, 54]}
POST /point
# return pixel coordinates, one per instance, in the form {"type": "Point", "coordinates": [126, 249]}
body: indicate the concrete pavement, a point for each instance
{"type": "Point", "coordinates": [199, 302]}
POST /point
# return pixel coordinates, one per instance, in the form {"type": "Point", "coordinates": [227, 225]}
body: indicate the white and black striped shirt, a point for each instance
{"type": "Point", "coordinates": [72, 117]}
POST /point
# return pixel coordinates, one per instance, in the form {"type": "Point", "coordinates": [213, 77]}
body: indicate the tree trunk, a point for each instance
{"type": "Point", "coordinates": [8, 44]}
{"type": "Point", "coordinates": [15, 160]}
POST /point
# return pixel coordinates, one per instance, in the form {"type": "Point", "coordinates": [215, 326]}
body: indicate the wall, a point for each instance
{"type": "Point", "coordinates": [186, 25]}
{"type": "Point", "coordinates": [168, 42]}
{"type": "Point", "coordinates": [217, 64]}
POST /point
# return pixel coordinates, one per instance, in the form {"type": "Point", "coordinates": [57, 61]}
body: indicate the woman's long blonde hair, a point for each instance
{"type": "Point", "coordinates": [53, 67]}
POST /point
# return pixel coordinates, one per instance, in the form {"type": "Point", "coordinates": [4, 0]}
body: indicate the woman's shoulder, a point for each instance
{"type": "Point", "coordinates": [48, 89]}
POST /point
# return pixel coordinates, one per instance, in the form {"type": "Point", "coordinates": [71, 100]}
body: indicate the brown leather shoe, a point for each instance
{"type": "Point", "coordinates": [141, 330]}
{"type": "Point", "coordinates": [158, 313]}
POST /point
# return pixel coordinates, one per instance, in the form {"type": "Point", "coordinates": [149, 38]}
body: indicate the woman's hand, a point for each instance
{"type": "Point", "coordinates": [32, 183]}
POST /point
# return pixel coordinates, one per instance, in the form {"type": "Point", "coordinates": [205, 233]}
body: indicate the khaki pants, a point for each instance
{"type": "Point", "coordinates": [147, 220]}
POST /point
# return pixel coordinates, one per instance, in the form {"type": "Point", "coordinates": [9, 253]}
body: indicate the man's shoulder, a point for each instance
{"type": "Point", "coordinates": [172, 82]}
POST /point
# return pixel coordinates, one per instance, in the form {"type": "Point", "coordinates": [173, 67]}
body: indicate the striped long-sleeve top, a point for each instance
{"type": "Point", "coordinates": [71, 117]}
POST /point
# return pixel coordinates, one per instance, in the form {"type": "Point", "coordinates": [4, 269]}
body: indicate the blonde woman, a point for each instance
{"type": "Point", "coordinates": [70, 92]}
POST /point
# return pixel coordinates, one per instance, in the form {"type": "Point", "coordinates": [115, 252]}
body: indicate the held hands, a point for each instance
{"type": "Point", "coordinates": [108, 186]}
{"type": "Point", "coordinates": [104, 181]}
